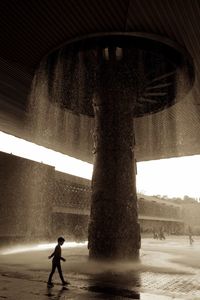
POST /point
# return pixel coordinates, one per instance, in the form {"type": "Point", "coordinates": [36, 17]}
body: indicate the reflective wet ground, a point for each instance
{"type": "Point", "coordinates": [168, 269]}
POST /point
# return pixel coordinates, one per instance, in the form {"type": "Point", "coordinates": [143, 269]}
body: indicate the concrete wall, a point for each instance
{"type": "Point", "coordinates": [36, 202]}
{"type": "Point", "coordinates": [191, 217]}
{"type": "Point", "coordinates": [25, 191]}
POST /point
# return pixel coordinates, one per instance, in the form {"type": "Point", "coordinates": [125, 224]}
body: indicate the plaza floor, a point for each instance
{"type": "Point", "coordinates": [168, 269]}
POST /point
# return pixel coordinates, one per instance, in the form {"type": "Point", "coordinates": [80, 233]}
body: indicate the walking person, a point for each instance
{"type": "Point", "coordinates": [190, 235]}
{"type": "Point", "coordinates": [56, 262]}
{"type": "Point", "coordinates": [161, 234]}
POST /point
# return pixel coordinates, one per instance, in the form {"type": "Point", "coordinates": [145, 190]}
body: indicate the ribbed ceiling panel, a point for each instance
{"type": "Point", "coordinates": [29, 29]}
{"type": "Point", "coordinates": [180, 21]}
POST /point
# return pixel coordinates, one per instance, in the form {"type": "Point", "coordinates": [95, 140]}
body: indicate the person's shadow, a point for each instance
{"type": "Point", "coordinates": [57, 294]}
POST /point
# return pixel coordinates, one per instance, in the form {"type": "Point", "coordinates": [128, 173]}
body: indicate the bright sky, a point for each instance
{"type": "Point", "coordinates": [173, 177]}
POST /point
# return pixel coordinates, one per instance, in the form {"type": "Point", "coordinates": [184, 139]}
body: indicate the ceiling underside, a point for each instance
{"type": "Point", "coordinates": [31, 29]}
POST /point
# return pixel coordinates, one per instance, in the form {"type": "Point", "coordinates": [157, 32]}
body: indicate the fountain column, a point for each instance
{"type": "Point", "coordinates": [114, 77]}
{"type": "Point", "coordinates": [113, 230]}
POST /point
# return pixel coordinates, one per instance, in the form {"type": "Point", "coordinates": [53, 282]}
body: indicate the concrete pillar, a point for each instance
{"type": "Point", "coordinates": [113, 230]}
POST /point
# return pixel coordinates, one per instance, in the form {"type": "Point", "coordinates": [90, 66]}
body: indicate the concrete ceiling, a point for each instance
{"type": "Point", "coordinates": [31, 29]}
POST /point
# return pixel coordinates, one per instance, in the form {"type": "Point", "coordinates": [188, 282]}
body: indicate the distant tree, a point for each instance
{"type": "Point", "coordinates": [165, 197]}
{"type": "Point", "coordinates": [188, 199]}
{"type": "Point", "coordinates": [157, 196]}
{"type": "Point", "coordinates": [177, 200]}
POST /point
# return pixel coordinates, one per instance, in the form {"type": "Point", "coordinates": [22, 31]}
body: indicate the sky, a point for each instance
{"type": "Point", "coordinates": [174, 177]}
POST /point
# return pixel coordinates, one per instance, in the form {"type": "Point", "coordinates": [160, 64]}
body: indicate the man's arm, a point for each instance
{"type": "Point", "coordinates": [50, 256]}
{"type": "Point", "coordinates": [62, 258]}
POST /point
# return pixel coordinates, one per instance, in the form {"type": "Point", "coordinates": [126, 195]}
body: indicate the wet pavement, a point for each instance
{"type": "Point", "coordinates": [168, 269]}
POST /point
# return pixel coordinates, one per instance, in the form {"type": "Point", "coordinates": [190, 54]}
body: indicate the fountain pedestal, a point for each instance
{"type": "Point", "coordinates": [113, 230]}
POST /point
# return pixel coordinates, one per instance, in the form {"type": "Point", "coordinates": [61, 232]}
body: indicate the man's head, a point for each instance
{"type": "Point", "coordinates": [61, 240]}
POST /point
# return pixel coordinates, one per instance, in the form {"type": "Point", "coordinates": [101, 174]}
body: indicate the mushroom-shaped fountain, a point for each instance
{"type": "Point", "coordinates": [115, 78]}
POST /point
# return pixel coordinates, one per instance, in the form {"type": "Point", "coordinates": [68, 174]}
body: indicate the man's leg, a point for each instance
{"type": "Point", "coordinates": [52, 272]}
{"type": "Point", "coordinates": [60, 272]}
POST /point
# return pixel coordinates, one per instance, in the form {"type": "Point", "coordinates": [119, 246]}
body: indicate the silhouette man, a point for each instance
{"type": "Point", "coordinates": [190, 235]}
{"type": "Point", "coordinates": [56, 262]}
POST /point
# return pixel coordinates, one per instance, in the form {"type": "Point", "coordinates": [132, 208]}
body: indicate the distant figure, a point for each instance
{"type": "Point", "coordinates": [155, 235]}
{"type": "Point", "coordinates": [56, 262]}
{"type": "Point", "coordinates": [190, 235]}
{"type": "Point", "coordinates": [161, 234]}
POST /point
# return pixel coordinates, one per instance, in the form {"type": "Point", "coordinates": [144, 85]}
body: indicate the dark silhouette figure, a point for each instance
{"type": "Point", "coordinates": [190, 235]}
{"type": "Point", "coordinates": [155, 234]}
{"type": "Point", "coordinates": [56, 262]}
{"type": "Point", "coordinates": [161, 234]}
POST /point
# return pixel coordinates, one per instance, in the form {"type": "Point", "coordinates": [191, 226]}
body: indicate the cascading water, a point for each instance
{"type": "Point", "coordinates": [115, 78]}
